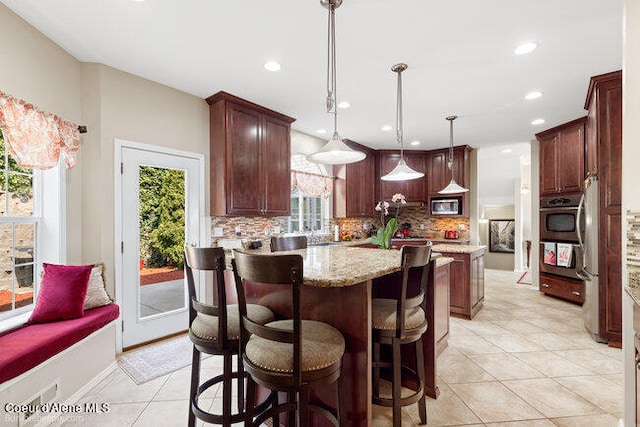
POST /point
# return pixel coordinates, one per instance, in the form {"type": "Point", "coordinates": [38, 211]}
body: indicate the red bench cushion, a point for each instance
{"type": "Point", "coordinates": [28, 346]}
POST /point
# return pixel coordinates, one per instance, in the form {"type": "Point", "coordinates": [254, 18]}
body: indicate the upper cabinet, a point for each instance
{"type": "Point", "coordinates": [562, 158]}
{"type": "Point", "coordinates": [355, 186]}
{"type": "Point", "coordinates": [440, 175]}
{"type": "Point", "coordinates": [250, 153]}
{"type": "Point", "coordinates": [414, 190]}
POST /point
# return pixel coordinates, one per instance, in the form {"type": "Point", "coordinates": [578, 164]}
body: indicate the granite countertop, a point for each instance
{"type": "Point", "coordinates": [345, 265]}
{"type": "Point", "coordinates": [633, 286]}
{"type": "Point", "coordinates": [441, 261]}
{"type": "Point", "coordinates": [459, 249]}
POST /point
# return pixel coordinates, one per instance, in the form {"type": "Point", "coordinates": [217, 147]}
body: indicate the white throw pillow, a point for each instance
{"type": "Point", "coordinates": [96, 294]}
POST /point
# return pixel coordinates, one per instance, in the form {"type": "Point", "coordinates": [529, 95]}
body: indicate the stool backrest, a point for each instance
{"type": "Point", "coordinates": [415, 266]}
{"type": "Point", "coordinates": [288, 243]}
{"type": "Point", "coordinates": [285, 270]}
{"type": "Point", "coordinates": [207, 259]}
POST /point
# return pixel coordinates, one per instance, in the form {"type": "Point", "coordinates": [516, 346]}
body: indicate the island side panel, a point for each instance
{"type": "Point", "coordinates": [348, 309]}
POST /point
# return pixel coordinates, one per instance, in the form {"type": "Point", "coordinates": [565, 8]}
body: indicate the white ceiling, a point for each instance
{"type": "Point", "coordinates": [460, 57]}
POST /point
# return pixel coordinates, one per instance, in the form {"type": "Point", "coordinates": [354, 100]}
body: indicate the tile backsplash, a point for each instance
{"type": "Point", "coordinates": [633, 239]}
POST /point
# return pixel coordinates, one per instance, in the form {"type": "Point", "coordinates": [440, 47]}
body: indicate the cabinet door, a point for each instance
{"type": "Point", "coordinates": [570, 161]}
{"type": "Point", "coordinates": [441, 306]}
{"type": "Point", "coordinates": [437, 167]}
{"type": "Point", "coordinates": [548, 162]}
{"type": "Point", "coordinates": [276, 169]}
{"type": "Point", "coordinates": [415, 190]}
{"type": "Point", "coordinates": [388, 161]}
{"type": "Point", "coordinates": [243, 193]}
{"type": "Point", "coordinates": [459, 284]}
{"type": "Point", "coordinates": [360, 192]}
{"type": "Point", "coordinates": [591, 141]}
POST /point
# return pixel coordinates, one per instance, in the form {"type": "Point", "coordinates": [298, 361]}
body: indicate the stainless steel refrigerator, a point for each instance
{"type": "Point", "coordinates": [589, 243]}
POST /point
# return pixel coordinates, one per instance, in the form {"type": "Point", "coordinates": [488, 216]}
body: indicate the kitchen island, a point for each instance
{"type": "Point", "coordinates": [467, 278]}
{"type": "Point", "coordinates": [338, 290]}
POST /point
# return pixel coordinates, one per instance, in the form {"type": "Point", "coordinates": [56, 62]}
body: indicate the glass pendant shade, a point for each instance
{"type": "Point", "coordinates": [402, 172]}
{"type": "Point", "coordinates": [336, 152]}
{"type": "Point", "coordinates": [453, 186]}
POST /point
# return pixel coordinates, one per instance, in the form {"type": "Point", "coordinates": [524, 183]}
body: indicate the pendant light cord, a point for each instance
{"type": "Point", "coordinates": [399, 116]}
{"type": "Point", "coordinates": [451, 146]}
{"type": "Point", "coordinates": [331, 66]}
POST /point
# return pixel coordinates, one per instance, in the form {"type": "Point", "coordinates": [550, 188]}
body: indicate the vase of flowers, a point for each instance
{"type": "Point", "coordinates": [386, 232]}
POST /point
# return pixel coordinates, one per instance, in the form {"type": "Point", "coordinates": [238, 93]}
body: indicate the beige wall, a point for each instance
{"type": "Point", "coordinates": [630, 193]}
{"type": "Point", "coordinates": [112, 104]}
{"type": "Point", "coordinates": [497, 260]}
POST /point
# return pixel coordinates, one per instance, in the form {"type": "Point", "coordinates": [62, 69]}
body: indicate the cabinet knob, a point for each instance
{"type": "Point", "coordinates": [576, 293]}
{"type": "Point", "coordinates": [544, 285]}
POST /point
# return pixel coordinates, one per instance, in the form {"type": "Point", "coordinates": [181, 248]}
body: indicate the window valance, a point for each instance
{"type": "Point", "coordinates": [36, 139]}
{"type": "Point", "coordinates": [311, 184]}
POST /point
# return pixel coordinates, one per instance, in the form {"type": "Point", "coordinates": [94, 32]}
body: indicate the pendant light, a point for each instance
{"type": "Point", "coordinates": [402, 172]}
{"type": "Point", "coordinates": [453, 187]}
{"type": "Point", "coordinates": [335, 151]}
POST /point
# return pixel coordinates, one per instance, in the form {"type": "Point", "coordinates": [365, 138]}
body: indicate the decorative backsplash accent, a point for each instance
{"type": "Point", "coordinates": [252, 228]}
{"type": "Point", "coordinates": [633, 239]}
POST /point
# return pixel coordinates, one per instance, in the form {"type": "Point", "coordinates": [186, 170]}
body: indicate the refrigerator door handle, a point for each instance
{"type": "Point", "coordinates": [579, 232]}
{"type": "Point", "coordinates": [584, 269]}
{"type": "Point", "coordinates": [583, 276]}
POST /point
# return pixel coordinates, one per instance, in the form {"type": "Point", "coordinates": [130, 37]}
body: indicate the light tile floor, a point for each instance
{"type": "Point", "coordinates": [524, 360]}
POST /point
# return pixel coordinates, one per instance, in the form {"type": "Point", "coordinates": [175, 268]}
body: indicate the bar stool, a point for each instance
{"type": "Point", "coordinates": [288, 243]}
{"type": "Point", "coordinates": [215, 329]}
{"type": "Point", "coordinates": [402, 321]}
{"type": "Point", "coordinates": [292, 356]}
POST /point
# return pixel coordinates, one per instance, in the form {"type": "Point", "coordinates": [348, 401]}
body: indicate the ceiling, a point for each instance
{"type": "Point", "coordinates": [460, 57]}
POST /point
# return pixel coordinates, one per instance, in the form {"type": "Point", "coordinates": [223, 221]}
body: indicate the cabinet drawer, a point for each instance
{"type": "Point", "coordinates": [569, 289]}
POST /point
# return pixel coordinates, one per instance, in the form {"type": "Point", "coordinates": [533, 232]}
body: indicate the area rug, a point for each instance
{"type": "Point", "coordinates": [525, 279]}
{"type": "Point", "coordinates": [154, 360]}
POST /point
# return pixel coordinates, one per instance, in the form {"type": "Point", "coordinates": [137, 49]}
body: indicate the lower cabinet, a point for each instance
{"type": "Point", "coordinates": [442, 278]}
{"type": "Point", "coordinates": [466, 283]}
{"type": "Point", "coordinates": [562, 287]}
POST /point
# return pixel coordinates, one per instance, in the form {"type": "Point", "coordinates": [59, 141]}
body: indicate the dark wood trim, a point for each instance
{"type": "Point", "coordinates": [549, 132]}
{"type": "Point", "coordinates": [224, 96]}
{"type": "Point", "coordinates": [596, 80]}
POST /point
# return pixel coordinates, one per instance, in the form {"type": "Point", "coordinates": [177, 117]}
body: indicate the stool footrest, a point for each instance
{"type": "Point", "coordinates": [408, 400]}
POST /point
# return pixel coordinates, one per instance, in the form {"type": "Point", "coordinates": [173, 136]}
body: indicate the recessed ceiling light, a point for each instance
{"type": "Point", "coordinates": [138, 1]}
{"type": "Point", "coordinates": [415, 142]}
{"type": "Point", "coordinates": [506, 151]}
{"type": "Point", "coordinates": [344, 104]}
{"type": "Point", "coordinates": [321, 131]}
{"type": "Point", "coordinates": [525, 48]}
{"type": "Point", "coordinates": [272, 66]}
{"type": "Point", "coordinates": [386, 128]}
{"type": "Point", "coordinates": [533, 95]}
{"type": "Point", "coordinates": [538, 122]}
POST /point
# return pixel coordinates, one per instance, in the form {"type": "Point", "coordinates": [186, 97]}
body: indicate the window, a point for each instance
{"type": "Point", "coordinates": [307, 212]}
{"type": "Point", "coordinates": [18, 236]}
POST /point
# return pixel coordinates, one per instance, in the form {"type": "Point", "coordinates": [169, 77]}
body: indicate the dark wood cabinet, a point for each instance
{"type": "Point", "coordinates": [414, 190]}
{"type": "Point", "coordinates": [562, 158]}
{"type": "Point", "coordinates": [442, 280]}
{"type": "Point", "coordinates": [249, 158]}
{"type": "Point", "coordinates": [439, 174]}
{"type": "Point", "coordinates": [466, 282]}
{"type": "Point", "coordinates": [562, 287]}
{"type": "Point", "coordinates": [355, 185]}
{"type": "Point", "coordinates": [604, 157]}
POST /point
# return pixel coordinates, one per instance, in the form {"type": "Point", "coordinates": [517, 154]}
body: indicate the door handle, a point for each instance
{"type": "Point", "coordinates": [576, 293]}
{"type": "Point", "coordinates": [544, 285]}
{"type": "Point", "coordinates": [582, 276]}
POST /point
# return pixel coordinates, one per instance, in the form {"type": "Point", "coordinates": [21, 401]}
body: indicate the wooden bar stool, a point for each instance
{"type": "Point", "coordinates": [402, 321]}
{"type": "Point", "coordinates": [292, 356]}
{"type": "Point", "coordinates": [288, 243]}
{"type": "Point", "coordinates": [215, 329]}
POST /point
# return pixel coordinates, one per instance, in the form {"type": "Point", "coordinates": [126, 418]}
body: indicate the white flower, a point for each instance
{"type": "Point", "coordinates": [398, 198]}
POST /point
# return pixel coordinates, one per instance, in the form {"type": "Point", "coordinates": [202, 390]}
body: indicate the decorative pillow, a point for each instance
{"type": "Point", "coordinates": [96, 294]}
{"type": "Point", "coordinates": [62, 292]}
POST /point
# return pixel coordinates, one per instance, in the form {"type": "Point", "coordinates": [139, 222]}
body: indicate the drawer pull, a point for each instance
{"type": "Point", "coordinates": [544, 285]}
{"type": "Point", "coordinates": [576, 293]}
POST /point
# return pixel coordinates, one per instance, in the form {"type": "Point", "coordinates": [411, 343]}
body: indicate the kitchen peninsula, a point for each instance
{"type": "Point", "coordinates": [338, 290]}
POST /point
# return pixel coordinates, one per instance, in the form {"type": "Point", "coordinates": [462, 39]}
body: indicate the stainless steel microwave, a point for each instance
{"type": "Point", "coordinates": [446, 206]}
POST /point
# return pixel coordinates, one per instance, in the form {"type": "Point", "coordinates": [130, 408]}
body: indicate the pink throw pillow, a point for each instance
{"type": "Point", "coordinates": [62, 292]}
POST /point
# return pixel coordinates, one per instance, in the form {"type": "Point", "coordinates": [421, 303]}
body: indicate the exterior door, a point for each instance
{"type": "Point", "coordinates": [160, 213]}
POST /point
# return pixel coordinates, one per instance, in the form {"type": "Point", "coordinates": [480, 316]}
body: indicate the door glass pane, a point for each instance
{"type": "Point", "coordinates": [162, 237]}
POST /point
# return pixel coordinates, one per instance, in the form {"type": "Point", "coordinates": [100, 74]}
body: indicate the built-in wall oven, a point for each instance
{"type": "Point", "coordinates": [559, 220]}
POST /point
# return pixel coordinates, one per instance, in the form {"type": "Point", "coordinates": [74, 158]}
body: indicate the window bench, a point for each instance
{"type": "Point", "coordinates": [64, 356]}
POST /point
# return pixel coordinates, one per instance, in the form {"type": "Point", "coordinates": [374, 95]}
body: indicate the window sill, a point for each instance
{"type": "Point", "coordinates": [15, 321]}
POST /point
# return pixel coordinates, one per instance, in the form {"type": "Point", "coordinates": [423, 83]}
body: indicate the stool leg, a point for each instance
{"type": "Point", "coordinates": [226, 388]}
{"type": "Point", "coordinates": [397, 384]}
{"type": "Point", "coordinates": [376, 369]}
{"type": "Point", "coordinates": [303, 407]}
{"type": "Point", "coordinates": [240, 385]}
{"type": "Point", "coordinates": [291, 398]}
{"type": "Point", "coordinates": [251, 392]}
{"type": "Point", "coordinates": [342, 407]}
{"type": "Point", "coordinates": [422, 404]}
{"type": "Point", "coordinates": [195, 380]}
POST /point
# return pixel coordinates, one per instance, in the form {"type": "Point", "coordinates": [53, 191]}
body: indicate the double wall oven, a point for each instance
{"type": "Point", "coordinates": [561, 226]}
